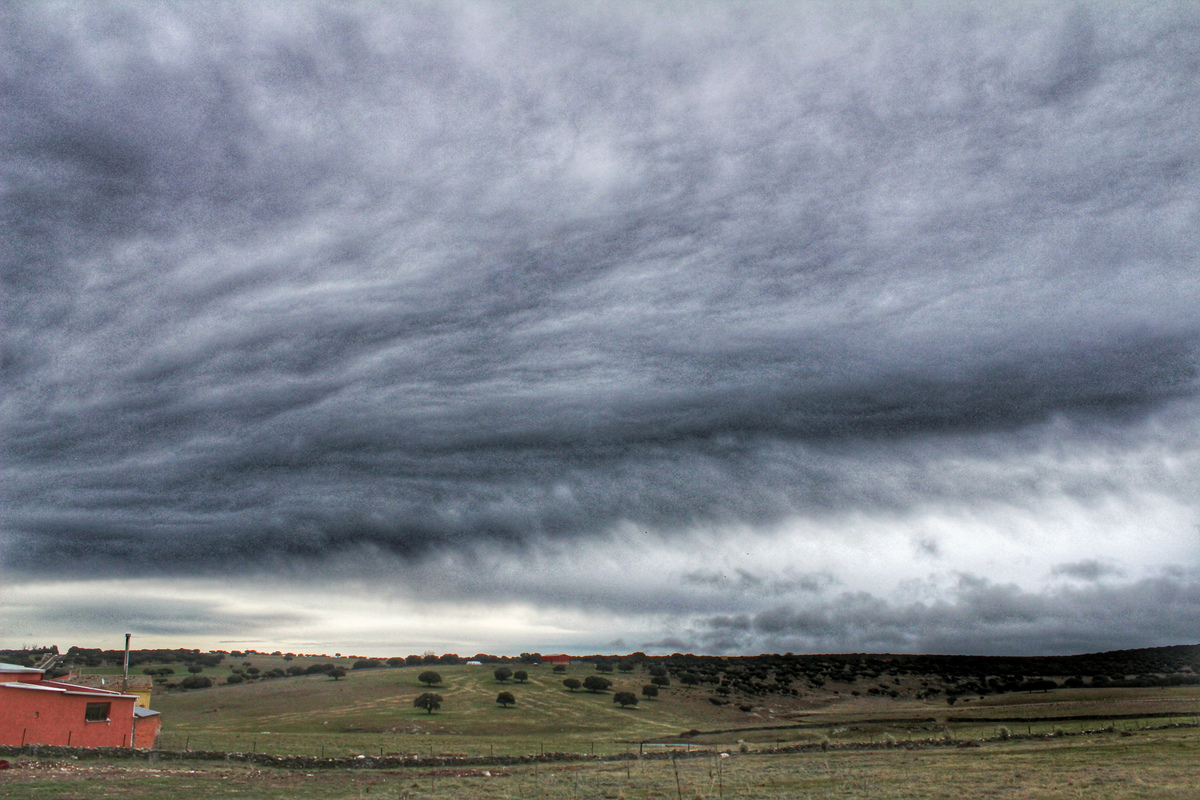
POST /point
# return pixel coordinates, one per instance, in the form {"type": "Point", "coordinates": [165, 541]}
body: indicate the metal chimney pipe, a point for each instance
{"type": "Point", "coordinates": [125, 680]}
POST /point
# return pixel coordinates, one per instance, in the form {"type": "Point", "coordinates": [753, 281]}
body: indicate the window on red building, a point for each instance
{"type": "Point", "coordinates": [97, 712]}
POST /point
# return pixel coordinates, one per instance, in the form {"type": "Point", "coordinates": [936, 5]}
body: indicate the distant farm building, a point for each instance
{"type": "Point", "coordinates": [556, 659]}
{"type": "Point", "coordinates": [34, 710]}
{"type": "Point", "coordinates": [140, 685]}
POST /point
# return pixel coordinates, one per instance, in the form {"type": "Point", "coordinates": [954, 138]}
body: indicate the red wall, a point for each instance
{"type": "Point", "coordinates": [145, 732]}
{"type": "Point", "coordinates": [32, 716]}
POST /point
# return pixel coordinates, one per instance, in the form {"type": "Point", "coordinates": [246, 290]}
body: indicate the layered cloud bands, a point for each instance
{"type": "Point", "coordinates": [285, 283]}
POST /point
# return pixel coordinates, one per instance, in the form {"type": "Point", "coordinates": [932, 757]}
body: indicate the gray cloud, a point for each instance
{"type": "Point", "coordinates": [1088, 569]}
{"type": "Point", "coordinates": [284, 281]}
{"type": "Point", "coordinates": [162, 618]}
{"type": "Point", "coordinates": [743, 580]}
{"type": "Point", "coordinates": [980, 618]}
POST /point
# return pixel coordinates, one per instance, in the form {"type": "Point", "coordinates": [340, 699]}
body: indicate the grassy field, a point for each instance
{"type": "Point", "coordinates": [1148, 764]}
{"type": "Point", "coordinates": [1117, 746]}
{"type": "Point", "coordinates": [371, 712]}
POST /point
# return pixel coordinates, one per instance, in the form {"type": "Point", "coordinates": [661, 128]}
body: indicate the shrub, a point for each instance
{"type": "Point", "coordinates": [195, 682]}
{"type": "Point", "coordinates": [232, 679]}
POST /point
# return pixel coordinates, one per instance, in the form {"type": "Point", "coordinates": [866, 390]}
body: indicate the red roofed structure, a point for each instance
{"type": "Point", "coordinates": [34, 710]}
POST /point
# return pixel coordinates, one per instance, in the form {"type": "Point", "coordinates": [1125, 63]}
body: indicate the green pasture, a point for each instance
{"type": "Point", "coordinates": [371, 711]}
{"type": "Point", "coordinates": [1149, 765]}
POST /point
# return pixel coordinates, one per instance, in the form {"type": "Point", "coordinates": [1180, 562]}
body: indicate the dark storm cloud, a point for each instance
{"type": "Point", "coordinates": [981, 618]}
{"type": "Point", "coordinates": [743, 580]}
{"type": "Point", "coordinates": [282, 280]}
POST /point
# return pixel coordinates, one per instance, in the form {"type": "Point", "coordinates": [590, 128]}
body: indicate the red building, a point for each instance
{"type": "Point", "coordinates": [558, 658]}
{"type": "Point", "coordinates": [34, 710]}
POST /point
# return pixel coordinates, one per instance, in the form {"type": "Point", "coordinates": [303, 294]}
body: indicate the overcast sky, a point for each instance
{"type": "Point", "coordinates": [600, 327]}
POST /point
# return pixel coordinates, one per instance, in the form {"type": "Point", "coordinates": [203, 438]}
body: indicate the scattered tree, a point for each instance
{"type": "Point", "coordinates": [234, 679]}
{"type": "Point", "coordinates": [626, 666]}
{"type": "Point", "coordinates": [429, 677]}
{"type": "Point", "coordinates": [603, 666]}
{"type": "Point", "coordinates": [625, 699]}
{"type": "Point", "coordinates": [689, 678]}
{"type": "Point", "coordinates": [502, 674]}
{"type": "Point", "coordinates": [650, 691]}
{"type": "Point", "coordinates": [520, 676]}
{"type": "Point", "coordinates": [506, 699]}
{"type": "Point", "coordinates": [661, 680]}
{"type": "Point", "coordinates": [337, 672]}
{"type": "Point", "coordinates": [596, 683]}
{"type": "Point", "coordinates": [572, 683]}
{"type": "Point", "coordinates": [560, 668]}
{"type": "Point", "coordinates": [195, 669]}
{"type": "Point", "coordinates": [429, 701]}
